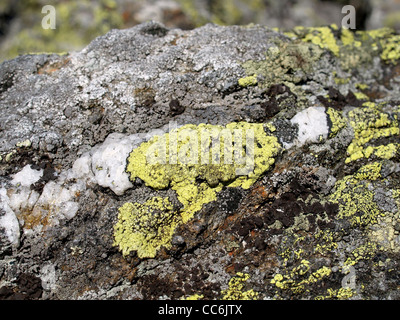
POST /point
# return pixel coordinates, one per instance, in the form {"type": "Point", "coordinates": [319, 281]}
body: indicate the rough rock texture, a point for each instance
{"type": "Point", "coordinates": [83, 216]}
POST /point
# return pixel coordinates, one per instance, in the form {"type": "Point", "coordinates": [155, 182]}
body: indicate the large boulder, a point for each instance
{"type": "Point", "coordinates": [216, 163]}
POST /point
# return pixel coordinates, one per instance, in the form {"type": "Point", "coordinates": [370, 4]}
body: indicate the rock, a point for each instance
{"type": "Point", "coordinates": [239, 162]}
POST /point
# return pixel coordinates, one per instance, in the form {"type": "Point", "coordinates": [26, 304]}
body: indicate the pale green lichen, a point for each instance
{"type": "Point", "coordinates": [10, 155]}
{"type": "Point", "coordinates": [384, 234]}
{"type": "Point", "coordinates": [284, 63]}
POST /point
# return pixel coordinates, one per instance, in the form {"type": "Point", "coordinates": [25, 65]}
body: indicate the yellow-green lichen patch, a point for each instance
{"type": "Point", "coordinates": [363, 252]}
{"type": "Point", "coordinates": [325, 242]}
{"type": "Point", "coordinates": [248, 81]}
{"type": "Point", "coordinates": [339, 294]}
{"type": "Point", "coordinates": [377, 34]}
{"type": "Point", "coordinates": [391, 49]}
{"type": "Point", "coordinates": [370, 171]}
{"type": "Point", "coordinates": [370, 123]}
{"type": "Point", "coordinates": [352, 48]}
{"type": "Point", "coordinates": [356, 198]}
{"type": "Point", "coordinates": [24, 144]}
{"type": "Point", "coordinates": [145, 228]}
{"type": "Point", "coordinates": [361, 96]}
{"type": "Point", "coordinates": [194, 297]}
{"type": "Point", "coordinates": [222, 12]}
{"type": "Point", "coordinates": [337, 122]}
{"type": "Point", "coordinates": [347, 38]}
{"type": "Point", "coordinates": [340, 81]}
{"type": "Point", "coordinates": [197, 161]}
{"type": "Point", "coordinates": [299, 278]}
{"type": "Point", "coordinates": [386, 41]}
{"type": "Point", "coordinates": [323, 37]}
{"type": "Point", "coordinates": [236, 289]}
{"type": "Point", "coordinates": [361, 86]}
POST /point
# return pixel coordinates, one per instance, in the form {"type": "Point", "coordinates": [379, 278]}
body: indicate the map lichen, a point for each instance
{"type": "Point", "coordinates": [196, 162]}
{"type": "Point", "coordinates": [146, 227]}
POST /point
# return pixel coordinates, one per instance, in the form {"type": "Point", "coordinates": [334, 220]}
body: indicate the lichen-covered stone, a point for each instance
{"type": "Point", "coordinates": [113, 185]}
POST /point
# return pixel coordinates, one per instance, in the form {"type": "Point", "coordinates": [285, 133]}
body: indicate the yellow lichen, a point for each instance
{"type": "Point", "coordinates": [391, 50]}
{"type": "Point", "coordinates": [361, 86]}
{"type": "Point", "coordinates": [236, 289]}
{"type": "Point", "coordinates": [369, 123]}
{"type": "Point", "coordinates": [197, 161]}
{"type": "Point", "coordinates": [340, 81]}
{"type": "Point", "coordinates": [363, 252]}
{"type": "Point", "coordinates": [361, 96]}
{"type": "Point", "coordinates": [296, 281]}
{"type": "Point", "coordinates": [348, 38]}
{"type": "Point", "coordinates": [356, 199]}
{"type": "Point", "coordinates": [326, 242]}
{"type": "Point", "coordinates": [370, 171]}
{"type": "Point", "coordinates": [145, 228]}
{"type": "Point", "coordinates": [291, 281]}
{"type": "Point", "coordinates": [378, 34]}
{"type": "Point", "coordinates": [323, 37]}
{"type": "Point", "coordinates": [337, 121]}
{"type": "Point", "coordinates": [340, 294]}
{"type": "Point", "coordinates": [248, 81]}
{"type": "Point", "coordinates": [194, 297]}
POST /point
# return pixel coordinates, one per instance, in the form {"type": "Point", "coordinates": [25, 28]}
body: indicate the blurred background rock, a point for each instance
{"type": "Point", "coordinates": [78, 22]}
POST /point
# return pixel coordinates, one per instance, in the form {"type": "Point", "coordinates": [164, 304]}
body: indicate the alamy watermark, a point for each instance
{"type": "Point", "coordinates": [49, 20]}
{"type": "Point", "coordinates": [349, 20]}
